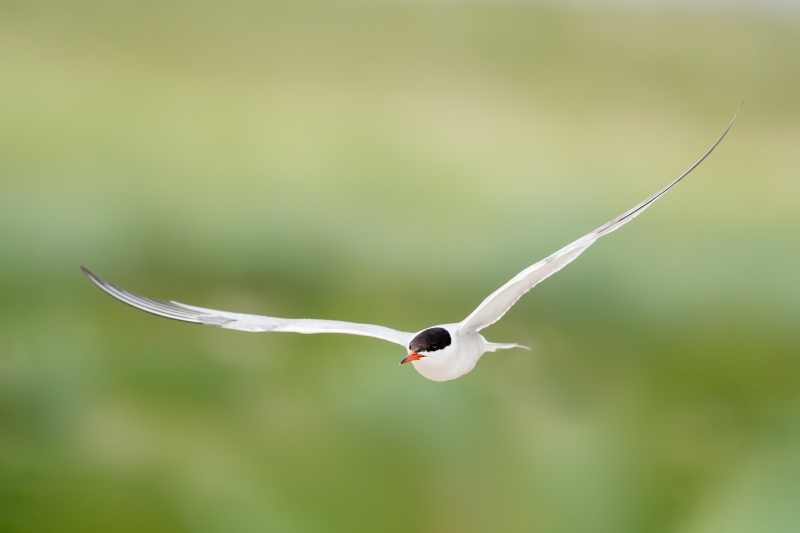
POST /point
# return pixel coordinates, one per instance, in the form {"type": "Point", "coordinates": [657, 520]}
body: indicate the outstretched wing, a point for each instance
{"type": "Point", "coordinates": [501, 300]}
{"type": "Point", "coordinates": [223, 319]}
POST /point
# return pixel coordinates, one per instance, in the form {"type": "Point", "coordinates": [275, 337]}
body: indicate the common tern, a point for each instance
{"type": "Point", "coordinates": [439, 353]}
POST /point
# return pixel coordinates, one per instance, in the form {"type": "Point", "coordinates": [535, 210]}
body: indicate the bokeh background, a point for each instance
{"type": "Point", "coordinates": [394, 162]}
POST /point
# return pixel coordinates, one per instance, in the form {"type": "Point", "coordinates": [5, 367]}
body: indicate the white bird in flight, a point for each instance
{"type": "Point", "coordinates": [439, 353]}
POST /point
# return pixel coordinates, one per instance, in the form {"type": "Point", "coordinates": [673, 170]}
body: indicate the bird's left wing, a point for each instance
{"type": "Point", "coordinates": [243, 322]}
{"type": "Point", "coordinates": [501, 300]}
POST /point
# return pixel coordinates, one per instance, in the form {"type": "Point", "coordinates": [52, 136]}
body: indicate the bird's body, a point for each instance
{"type": "Point", "coordinates": [439, 353]}
{"type": "Point", "coordinates": [454, 360]}
{"type": "Point", "coordinates": [460, 357]}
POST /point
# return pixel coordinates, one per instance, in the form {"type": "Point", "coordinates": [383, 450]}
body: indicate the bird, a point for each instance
{"type": "Point", "coordinates": [439, 353]}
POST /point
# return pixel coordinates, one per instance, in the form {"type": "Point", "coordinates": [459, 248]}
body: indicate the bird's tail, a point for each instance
{"type": "Point", "coordinates": [494, 346]}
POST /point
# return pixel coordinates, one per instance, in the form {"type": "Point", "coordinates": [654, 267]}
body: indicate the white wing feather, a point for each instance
{"type": "Point", "coordinates": [501, 300]}
{"type": "Point", "coordinates": [244, 322]}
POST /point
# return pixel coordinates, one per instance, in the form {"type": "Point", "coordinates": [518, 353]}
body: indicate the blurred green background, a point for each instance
{"type": "Point", "coordinates": [394, 163]}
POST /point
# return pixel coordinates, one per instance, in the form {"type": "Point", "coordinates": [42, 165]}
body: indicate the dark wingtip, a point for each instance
{"type": "Point", "coordinates": [91, 276]}
{"type": "Point", "coordinates": [88, 273]}
{"type": "Point", "coordinates": [149, 305]}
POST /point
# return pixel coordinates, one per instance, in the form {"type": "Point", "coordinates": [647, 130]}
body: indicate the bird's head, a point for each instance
{"type": "Point", "coordinates": [426, 343]}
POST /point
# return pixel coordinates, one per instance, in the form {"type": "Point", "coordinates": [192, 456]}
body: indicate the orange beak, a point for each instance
{"type": "Point", "coordinates": [413, 356]}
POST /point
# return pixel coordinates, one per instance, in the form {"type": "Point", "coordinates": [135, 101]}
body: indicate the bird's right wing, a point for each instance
{"type": "Point", "coordinates": [243, 322]}
{"type": "Point", "coordinates": [501, 300]}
